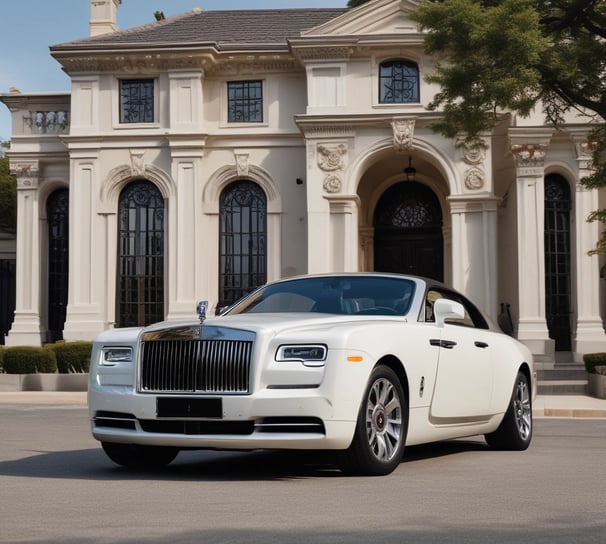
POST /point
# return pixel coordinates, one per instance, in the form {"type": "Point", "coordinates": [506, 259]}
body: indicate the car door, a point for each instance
{"type": "Point", "coordinates": [463, 385]}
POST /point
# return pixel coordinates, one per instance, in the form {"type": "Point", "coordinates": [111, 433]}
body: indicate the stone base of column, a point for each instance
{"type": "Point", "coordinates": [187, 310]}
{"type": "Point", "coordinates": [25, 331]}
{"type": "Point", "coordinates": [535, 335]}
{"type": "Point", "coordinates": [83, 324]}
{"type": "Point", "coordinates": [590, 338]}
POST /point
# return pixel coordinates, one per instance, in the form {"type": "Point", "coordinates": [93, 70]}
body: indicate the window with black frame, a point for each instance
{"type": "Point", "coordinates": [245, 101]}
{"type": "Point", "coordinates": [398, 82]}
{"type": "Point", "coordinates": [136, 101]}
{"type": "Point", "coordinates": [243, 233]}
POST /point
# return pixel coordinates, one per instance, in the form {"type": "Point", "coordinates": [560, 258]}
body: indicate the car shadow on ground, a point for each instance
{"type": "Point", "coordinates": [92, 464]}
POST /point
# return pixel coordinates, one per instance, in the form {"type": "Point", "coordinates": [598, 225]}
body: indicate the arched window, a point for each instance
{"type": "Point", "coordinates": [140, 255]}
{"type": "Point", "coordinates": [243, 233]}
{"type": "Point", "coordinates": [398, 82]}
{"type": "Point", "coordinates": [57, 213]}
{"type": "Point", "coordinates": [557, 260]}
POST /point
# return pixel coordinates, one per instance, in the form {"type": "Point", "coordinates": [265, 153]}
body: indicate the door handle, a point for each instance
{"type": "Point", "coordinates": [448, 344]}
{"type": "Point", "coordinates": [481, 344]}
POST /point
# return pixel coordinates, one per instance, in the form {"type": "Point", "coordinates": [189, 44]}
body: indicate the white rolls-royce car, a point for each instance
{"type": "Point", "coordinates": [363, 364]}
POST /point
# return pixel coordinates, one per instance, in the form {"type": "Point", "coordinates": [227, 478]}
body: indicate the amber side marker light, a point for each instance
{"type": "Point", "coordinates": [355, 358]}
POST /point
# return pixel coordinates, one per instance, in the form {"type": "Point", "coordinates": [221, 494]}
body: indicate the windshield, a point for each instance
{"type": "Point", "coordinates": [349, 295]}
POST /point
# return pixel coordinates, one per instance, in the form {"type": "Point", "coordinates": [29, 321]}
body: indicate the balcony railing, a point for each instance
{"type": "Point", "coordinates": [48, 122]}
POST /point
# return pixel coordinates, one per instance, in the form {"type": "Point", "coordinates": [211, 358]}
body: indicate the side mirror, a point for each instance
{"type": "Point", "coordinates": [444, 309]}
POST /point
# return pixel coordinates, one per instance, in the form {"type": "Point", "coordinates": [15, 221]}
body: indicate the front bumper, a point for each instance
{"type": "Point", "coordinates": [268, 419]}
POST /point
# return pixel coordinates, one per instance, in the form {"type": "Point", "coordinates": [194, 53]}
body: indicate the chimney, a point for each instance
{"type": "Point", "coordinates": [103, 16]}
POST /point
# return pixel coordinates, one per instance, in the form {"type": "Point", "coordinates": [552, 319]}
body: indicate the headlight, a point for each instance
{"type": "Point", "coordinates": [112, 356]}
{"type": "Point", "coordinates": [312, 354]}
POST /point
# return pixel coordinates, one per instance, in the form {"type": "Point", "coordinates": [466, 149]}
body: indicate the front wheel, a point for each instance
{"type": "Point", "coordinates": [381, 428]}
{"type": "Point", "coordinates": [136, 456]}
{"type": "Point", "coordinates": [515, 431]}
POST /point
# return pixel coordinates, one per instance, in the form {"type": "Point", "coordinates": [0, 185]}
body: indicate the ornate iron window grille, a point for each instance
{"type": "Point", "coordinates": [57, 213]}
{"type": "Point", "coordinates": [243, 233]}
{"type": "Point", "coordinates": [244, 102]}
{"type": "Point", "coordinates": [398, 82]}
{"type": "Point", "coordinates": [140, 255]}
{"type": "Point", "coordinates": [137, 101]}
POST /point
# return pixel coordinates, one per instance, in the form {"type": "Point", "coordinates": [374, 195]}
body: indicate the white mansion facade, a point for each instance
{"type": "Point", "coordinates": [199, 156]}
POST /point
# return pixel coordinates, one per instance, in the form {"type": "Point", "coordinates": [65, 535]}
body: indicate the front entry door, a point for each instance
{"type": "Point", "coordinates": [408, 232]}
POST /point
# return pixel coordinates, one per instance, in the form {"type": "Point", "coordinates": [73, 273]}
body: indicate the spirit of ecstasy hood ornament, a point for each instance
{"type": "Point", "coordinates": [201, 310]}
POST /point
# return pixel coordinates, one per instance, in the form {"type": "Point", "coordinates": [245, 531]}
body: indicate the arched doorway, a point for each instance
{"type": "Point", "coordinates": [57, 214]}
{"type": "Point", "coordinates": [242, 244]}
{"type": "Point", "coordinates": [408, 231]}
{"type": "Point", "coordinates": [558, 204]}
{"type": "Point", "coordinates": [140, 255]}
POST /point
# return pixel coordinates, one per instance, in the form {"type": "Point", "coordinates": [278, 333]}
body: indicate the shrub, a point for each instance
{"type": "Point", "coordinates": [593, 360]}
{"type": "Point", "coordinates": [71, 356]}
{"type": "Point", "coordinates": [1, 359]}
{"type": "Point", "coordinates": [29, 360]}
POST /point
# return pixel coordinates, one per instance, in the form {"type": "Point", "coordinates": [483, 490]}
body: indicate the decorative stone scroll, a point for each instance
{"type": "Point", "coordinates": [474, 156]}
{"type": "Point", "coordinates": [403, 134]}
{"type": "Point", "coordinates": [242, 163]}
{"type": "Point", "coordinates": [331, 159]}
{"type": "Point", "coordinates": [137, 164]}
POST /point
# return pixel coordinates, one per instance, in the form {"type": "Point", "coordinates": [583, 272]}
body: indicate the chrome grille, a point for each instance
{"type": "Point", "coordinates": [195, 366]}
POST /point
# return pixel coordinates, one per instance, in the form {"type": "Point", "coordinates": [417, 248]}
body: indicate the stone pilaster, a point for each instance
{"type": "Point", "coordinates": [26, 328]}
{"type": "Point", "coordinates": [529, 156]}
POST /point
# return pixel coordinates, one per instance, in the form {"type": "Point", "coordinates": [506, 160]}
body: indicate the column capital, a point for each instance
{"type": "Point", "coordinates": [27, 173]}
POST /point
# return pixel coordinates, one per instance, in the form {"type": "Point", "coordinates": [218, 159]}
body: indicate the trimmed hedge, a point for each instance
{"type": "Point", "coordinates": [29, 360]}
{"type": "Point", "coordinates": [1, 359]}
{"type": "Point", "coordinates": [593, 360]}
{"type": "Point", "coordinates": [72, 357]}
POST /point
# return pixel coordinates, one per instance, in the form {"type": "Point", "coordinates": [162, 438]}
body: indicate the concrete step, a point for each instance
{"type": "Point", "coordinates": [562, 387]}
{"type": "Point", "coordinates": [562, 372]}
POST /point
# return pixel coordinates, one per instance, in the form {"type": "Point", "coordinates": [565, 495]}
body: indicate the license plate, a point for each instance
{"type": "Point", "coordinates": [184, 407]}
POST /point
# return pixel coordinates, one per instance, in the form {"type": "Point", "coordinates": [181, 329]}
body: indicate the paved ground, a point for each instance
{"type": "Point", "coordinates": [544, 405]}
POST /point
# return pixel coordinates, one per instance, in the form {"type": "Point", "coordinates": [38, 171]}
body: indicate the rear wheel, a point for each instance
{"type": "Point", "coordinates": [380, 433]}
{"type": "Point", "coordinates": [515, 431]}
{"type": "Point", "coordinates": [136, 456]}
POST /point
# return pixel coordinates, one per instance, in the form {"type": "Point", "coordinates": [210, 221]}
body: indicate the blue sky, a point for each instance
{"type": "Point", "coordinates": [29, 27]}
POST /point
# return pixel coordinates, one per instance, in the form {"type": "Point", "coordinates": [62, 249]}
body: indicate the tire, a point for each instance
{"type": "Point", "coordinates": [515, 431]}
{"type": "Point", "coordinates": [381, 428]}
{"type": "Point", "coordinates": [135, 456]}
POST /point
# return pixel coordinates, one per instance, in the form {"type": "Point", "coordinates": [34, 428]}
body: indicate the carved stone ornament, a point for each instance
{"type": "Point", "coordinates": [242, 163]}
{"type": "Point", "coordinates": [331, 158]}
{"type": "Point", "coordinates": [584, 151]}
{"type": "Point", "coordinates": [403, 134]}
{"type": "Point", "coordinates": [529, 155]}
{"type": "Point", "coordinates": [27, 173]}
{"type": "Point", "coordinates": [332, 184]}
{"type": "Point", "coordinates": [474, 154]}
{"type": "Point", "coordinates": [474, 178]}
{"type": "Point", "coordinates": [137, 164]}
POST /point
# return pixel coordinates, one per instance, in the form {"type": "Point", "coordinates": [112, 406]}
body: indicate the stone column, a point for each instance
{"type": "Point", "coordinates": [26, 328]}
{"type": "Point", "coordinates": [474, 243]}
{"type": "Point", "coordinates": [87, 252]}
{"type": "Point", "coordinates": [332, 215]}
{"type": "Point", "coordinates": [589, 336]}
{"type": "Point", "coordinates": [184, 236]}
{"type": "Point", "coordinates": [529, 156]}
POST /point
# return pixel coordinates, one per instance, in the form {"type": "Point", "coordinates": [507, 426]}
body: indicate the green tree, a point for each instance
{"type": "Point", "coordinates": [517, 55]}
{"type": "Point", "coordinates": [8, 195]}
{"type": "Point", "coordinates": [356, 3]}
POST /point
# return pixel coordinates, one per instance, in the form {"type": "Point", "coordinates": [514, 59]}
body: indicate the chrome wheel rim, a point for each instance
{"type": "Point", "coordinates": [384, 420]}
{"type": "Point", "coordinates": [522, 409]}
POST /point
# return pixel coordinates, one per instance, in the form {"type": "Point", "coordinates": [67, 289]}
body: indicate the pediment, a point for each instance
{"type": "Point", "coordinates": [373, 18]}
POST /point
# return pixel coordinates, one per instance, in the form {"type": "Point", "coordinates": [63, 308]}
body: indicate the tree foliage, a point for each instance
{"type": "Point", "coordinates": [356, 3]}
{"type": "Point", "coordinates": [517, 55]}
{"type": "Point", "coordinates": [8, 196]}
